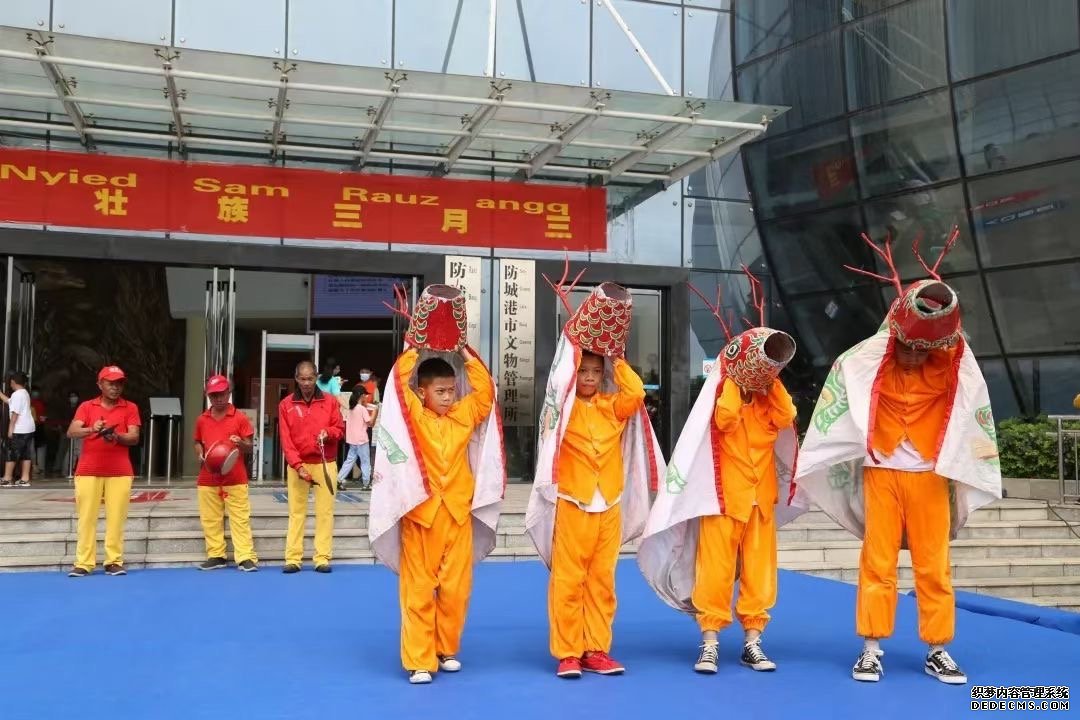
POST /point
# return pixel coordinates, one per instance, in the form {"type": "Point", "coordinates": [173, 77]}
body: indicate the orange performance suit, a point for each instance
{"type": "Point", "coordinates": [907, 497]}
{"type": "Point", "coordinates": [747, 468]}
{"type": "Point", "coordinates": [588, 521]}
{"type": "Point", "coordinates": [436, 536]}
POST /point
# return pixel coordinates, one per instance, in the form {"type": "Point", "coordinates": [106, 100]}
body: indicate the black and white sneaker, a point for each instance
{"type": "Point", "coordinates": [707, 660]}
{"type": "Point", "coordinates": [248, 566]}
{"type": "Point", "coordinates": [214, 563]}
{"type": "Point", "coordinates": [940, 665]}
{"type": "Point", "coordinates": [754, 657]}
{"type": "Point", "coordinates": [868, 667]}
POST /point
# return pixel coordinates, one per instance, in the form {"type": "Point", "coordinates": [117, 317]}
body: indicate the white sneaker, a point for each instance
{"type": "Point", "coordinates": [449, 664]}
{"type": "Point", "coordinates": [868, 667]}
{"type": "Point", "coordinates": [419, 677]}
{"type": "Point", "coordinates": [706, 662]}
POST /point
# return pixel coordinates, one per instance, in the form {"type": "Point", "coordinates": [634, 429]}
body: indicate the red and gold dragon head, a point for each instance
{"type": "Point", "coordinates": [925, 316]}
{"type": "Point", "coordinates": [753, 358]}
{"type": "Point", "coordinates": [438, 322]}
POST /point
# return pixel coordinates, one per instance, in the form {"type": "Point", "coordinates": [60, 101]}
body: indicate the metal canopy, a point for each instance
{"type": "Point", "coordinates": [100, 92]}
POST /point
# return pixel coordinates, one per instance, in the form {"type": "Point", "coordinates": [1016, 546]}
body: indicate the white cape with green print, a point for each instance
{"type": "Point", "coordinates": [831, 459]}
{"type": "Point", "coordinates": [398, 484]}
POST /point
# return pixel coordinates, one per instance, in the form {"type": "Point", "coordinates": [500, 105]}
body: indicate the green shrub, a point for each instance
{"type": "Point", "coordinates": [1029, 448]}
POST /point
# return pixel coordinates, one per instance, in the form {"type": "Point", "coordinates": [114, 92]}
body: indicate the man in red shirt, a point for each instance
{"type": "Point", "coordinates": [222, 424]}
{"type": "Point", "coordinates": [311, 427]}
{"type": "Point", "coordinates": [108, 425]}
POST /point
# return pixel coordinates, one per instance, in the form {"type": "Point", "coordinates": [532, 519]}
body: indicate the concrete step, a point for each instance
{"type": "Point", "coordinates": [846, 552]}
{"type": "Point", "coordinates": [1061, 602]}
{"type": "Point", "coordinates": [1023, 589]}
{"type": "Point", "coordinates": [974, 568]}
{"type": "Point", "coordinates": [987, 529]}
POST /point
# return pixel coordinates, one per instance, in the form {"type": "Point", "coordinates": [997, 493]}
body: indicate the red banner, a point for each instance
{"type": "Point", "coordinates": [130, 193]}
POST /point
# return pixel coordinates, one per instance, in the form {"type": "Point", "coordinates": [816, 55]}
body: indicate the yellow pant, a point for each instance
{"type": "Point", "coordinates": [299, 491]}
{"type": "Point", "coordinates": [915, 504]}
{"type": "Point", "coordinates": [434, 589]}
{"type": "Point", "coordinates": [212, 509]}
{"type": "Point", "coordinates": [90, 490]}
{"type": "Point", "coordinates": [581, 593]}
{"type": "Point", "coordinates": [721, 540]}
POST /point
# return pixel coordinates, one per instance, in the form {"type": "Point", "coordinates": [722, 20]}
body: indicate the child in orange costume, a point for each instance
{"type": "Point", "coordinates": [436, 536]}
{"type": "Point", "coordinates": [596, 459]}
{"type": "Point", "coordinates": [727, 488]}
{"type": "Point", "coordinates": [902, 449]}
{"type": "Point", "coordinates": [581, 593]}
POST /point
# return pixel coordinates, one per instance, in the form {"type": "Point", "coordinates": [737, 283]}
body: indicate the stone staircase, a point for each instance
{"type": "Point", "coordinates": [1015, 548]}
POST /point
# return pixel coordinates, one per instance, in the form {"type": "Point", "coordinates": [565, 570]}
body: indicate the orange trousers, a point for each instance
{"type": "Point", "coordinates": [721, 539]}
{"type": "Point", "coordinates": [434, 587]}
{"type": "Point", "coordinates": [915, 504]}
{"type": "Point", "coordinates": [581, 593]}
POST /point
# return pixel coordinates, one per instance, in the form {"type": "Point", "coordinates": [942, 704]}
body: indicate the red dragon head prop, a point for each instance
{"type": "Point", "coordinates": [755, 357]}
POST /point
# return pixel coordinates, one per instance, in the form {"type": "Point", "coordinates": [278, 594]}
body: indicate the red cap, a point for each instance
{"type": "Point", "coordinates": [111, 373]}
{"type": "Point", "coordinates": [216, 384]}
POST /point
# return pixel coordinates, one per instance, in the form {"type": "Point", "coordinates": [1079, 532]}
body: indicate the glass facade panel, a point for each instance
{"type": "Point", "coordinates": [1049, 384]}
{"type": "Point", "coordinates": [808, 79]}
{"type": "Point", "coordinates": [213, 25]}
{"type": "Point", "coordinates": [894, 54]}
{"type": "Point", "coordinates": [448, 37]}
{"type": "Point", "coordinates": [905, 146]}
{"type": "Point", "coordinates": [649, 233]}
{"type": "Point", "coordinates": [830, 323]}
{"type": "Point", "coordinates": [762, 26]}
{"type": "Point", "coordinates": [988, 35]}
{"type": "Point", "coordinates": [1002, 396]}
{"type": "Point", "coordinates": [808, 254]}
{"type": "Point", "coordinates": [543, 41]}
{"type": "Point", "coordinates": [723, 178]}
{"type": "Point", "coordinates": [147, 21]}
{"type": "Point", "coordinates": [618, 66]}
{"type": "Point", "coordinates": [1037, 308]}
{"type": "Point", "coordinates": [26, 13]}
{"type": "Point", "coordinates": [931, 214]}
{"type": "Point", "coordinates": [978, 326]}
{"type": "Point", "coordinates": [1020, 118]}
{"type": "Point", "coordinates": [801, 172]}
{"type": "Point", "coordinates": [360, 33]}
{"type": "Point", "coordinates": [1028, 216]}
{"type": "Point", "coordinates": [857, 8]}
{"type": "Point", "coordinates": [707, 55]}
{"type": "Point", "coordinates": [723, 235]}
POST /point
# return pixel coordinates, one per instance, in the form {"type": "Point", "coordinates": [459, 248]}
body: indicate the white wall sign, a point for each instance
{"type": "Point", "coordinates": [517, 340]}
{"type": "Point", "coordinates": [465, 273]}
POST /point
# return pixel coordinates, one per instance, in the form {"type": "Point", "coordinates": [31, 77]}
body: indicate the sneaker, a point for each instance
{"type": "Point", "coordinates": [601, 663]}
{"type": "Point", "coordinates": [79, 572]}
{"type": "Point", "coordinates": [290, 569]}
{"type": "Point", "coordinates": [569, 668]}
{"type": "Point", "coordinates": [706, 662]}
{"type": "Point", "coordinates": [23, 482]}
{"type": "Point", "coordinates": [419, 677]}
{"type": "Point", "coordinates": [214, 563]}
{"type": "Point", "coordinates": [5, 482]}
{"type": "Point", "coordinates": [324, 568]}
{"type": "Point", "coordinates": [449, 664]}
{"type": "Point", "coordinates": [341, 487]}
{"type": "Point", "coordinates": [115, 569]}
{"type": "Point", "coordinates": [248, 566]}
{"type": "Point", "coordinates": [755, 658]}
{"type": "Point", "coordinates": [868, 667]}
{"type": "Point", "coordinates": [940, 665]}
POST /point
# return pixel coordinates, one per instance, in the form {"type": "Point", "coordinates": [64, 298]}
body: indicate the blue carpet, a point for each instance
{"type": "Point", "coordinates": [162, 644]}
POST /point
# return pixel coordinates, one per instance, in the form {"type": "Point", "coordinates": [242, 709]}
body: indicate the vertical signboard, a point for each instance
{"type": "Point", "coordinates": [465, 273]}
{"type": "Point", "coordinates": [517, 340]}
